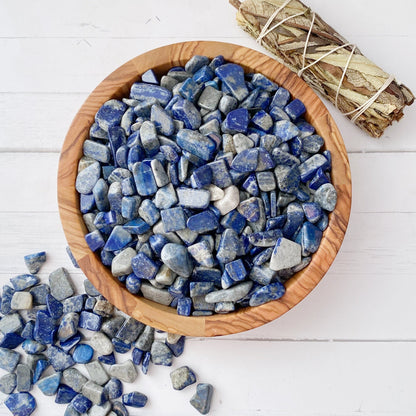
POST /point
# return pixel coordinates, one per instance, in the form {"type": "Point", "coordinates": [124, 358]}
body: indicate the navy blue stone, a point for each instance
{"type": "Point", "coordinates": [134, 399]}
{"type": "Point", "coordinates": [157, 242]}
{"type": "Point", "coordinates": [232, 76]}
{"type": "Point", "coordinates": [216, 62]}
{"type": "Point", "coordinates": [285, 130]}
{"type": "Point", "coordinates": [204, 74]}
{"type": "Point", "coordinates": [234, 220]}
{"type": "Point", "coordinates": [137, 356]}
{"type": "Point", "coordinates": [310, 166]}
{"type": "Point", "coordinates": [190, 90]}
{"type": "Point", "coordinates": [265, 161]}
{"type": "Point", "coordinates": [250, 100]}
{"type": "Point", "coordinates": [45, 329]}
{"type": "Point", "coordinates": [55, 308]}
{"type": "Point", "coordinates": [294, 219]}
{"type": "Point", "coordinates": [144, 267]}
{"type": "Point", "coordinates": [21, 404]}
{"type": "Point", "coordinates": [281, 98]}
{"type": "Point", "coordinates": [267, 293]}
{"type": "Point", "coordinates": [11, 340]}
{"type": "Point", "coordinates": [141, 91]}
{"type": "Point", "coordinates": [309, 237]}
{"type": "Point", "coordinates": [203, 222]}
{"type": "Point", "coordinates": [263, 256]}
{"type": "Point", "coordinates": [207, 274]}
{"type": "Point", "coordinates": [322, 224]}
{"type": "Point", "coordinates": [114, 388]}
{"type": "Point", "coordinates": [87, 203]}
{"type": "Point", "coordinates": [31, 347]}
{"type": "Point", "coordinates": [178, 347]}
{"type": "Point", "coordinates": [229, 246]}
{"type": "Point", "coordinates": [262, 82]}
{"type": "Point", "coordinates": [313, 211]}
{"type": "Point", "coordinates": [81, 403]}
{"type": "Point", "coordinates": [184, 306]}
{"type": "Point", "coordinates": [133, 283]}
{"type": "Point", "coordinates": [236, 121]}
{"type": "Point", "coordinates": [64, 394]}
{"type": "Point", "coordinates": [305, 128]}
{"type": "Point", "coordinates": [173, 219]}
{"type": "Point", "coordinates": [262, 100]}
{"type": "Point", "coordinates": [109, 359]}
{"type": "Point", "coordinates": [24, 281]}
{"type": "Point", "coordinates": [313, 143]}
{"type": "Point", "coordinates": [34, 261]}
{"type": "Point", "coordinates": [149, 77]}
{"type": "Point", "coordinates": [273, 203]}
{"type": "Point", "coordinates": [59, 359]}
{"type": "Point", "coordinates": [237, 177]}
{"type": "Point", "coordinates": [250, 209]}
{"type": "Point", "coordinates": [170, 153]}
{"type": "Point", "coordinates": [278, 114]}
{"type": "Point", "coordinates": [162, 120]}
{"type": "Point", "coordinates": [82, 353]}
{"type": "Point", "coordinates": [95, 240]}
{"type": "Point", "coordinates": [136, 154]}
{"type": "Point", "coordinates": [266, 203]}
{"type": "Point", "coordinates": [276, 222]}
{"type": "Point", "coordinates": [121, 156]}
{"type": "Point", "coordinates": [196, 143]}
{"type": "Point", "coordinates": [250, 185]}
{"type": "Point", "coordinates": [118, 239]}
{"type": "Point", "coordinates": [90, 321]}
{"type": "Point", "coordinates": [120, 346]}
{"type": "Point", "coordinates": [201, 176]}
{"type": "Point", "coordinates": [90, 303]}
{"type": "Point", "coordinates": [236, 270]}
{"type": "Point", "coordinates": [295, 146]}
{"type": "Point", "coordinates": [246, 161]}
{"type": "Point", "coordinates": [265, 238]}
{"type": "Point", "coordinates": [220, 174]}
{"type": "Point", "coordinates": [144, 179]}
{"type": "Point", "coordinates": [40, 367]}
{"type": "Point", "coordinates": [282, 157]}
{"type": "Point", "coordinates": [27, 332]}
{"type": "Point", "coordinates": [116, 138]}
{"type": "Point", "coordinates": [261, 120]}
{"type": "Point", "coordinates": [74, 303]}
{"type": "Point", "coordinates": [146, 362]}
{"type": "Point", "coordinates": [184, 110]}
{"type": "Point", "coordinates": [319, 179]}
{"type": "Point", "coordinates": [295, 109]}
{"type": "Point", "coordinates": [180, 287]}
{"type": "Point", "coordinates": [110, 114]}
{"type": "Point", "coordinates": [70, 343]}
{"type": "Point", "coordinates": [226, 280]}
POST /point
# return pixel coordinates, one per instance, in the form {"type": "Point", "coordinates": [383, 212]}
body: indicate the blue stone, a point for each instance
{"type": "Point", "coordinates": [70, 343]}
{"type": "Point", "coordinates": [118, 239]}
{"type": "Point", "coordinates": [196, 63]}
{"type": "Point", "coordinates": [81, 403]}
{"type": "Point", "coordinates": [313, 143]}
{"type": "Point", "coordinates": [87, 203]}
{"type": "Point", "coordinates": [265, 238]}
{"type": "Point", "coordinates": [113, 388]}
{"type": "Point", "coordinates": [157, 241]}
{"type": "Point", "coordinates": [266, 203]}
{"type": "Point", "coordinates": [44, 330]}
{"type": "Point", "coordinates": [250, 209]}
{"type": "Point", "coordinates": [262, 100]}
{"type": "Point", "coordinates": [120, 346]}
{"type": "Point", "coordinates": [162, 120]}
{"type": "Point", "coordinates": [149, 77]}
{"type": "Point", "coordinates": [49, 385]}
{"type": "Point", "coordinates": [249, 101]}
{"type": "Point", "coordinates": [136, 154]}
{"type": "Point", "coordinates": [237, 177]}
{"type": "Point", "coordinates": [144, 267]}
{"type": "Point", "coordinates": [278, 114]}
{"type": "Point", "coordinates": [276, 222]}
{"type": "Point", "coordinates": [201, 177]}
{"type": "Point", "coordinates": [34, 261]}
{"type": "Point", "coordinates": [327, 154]}
{"type": "Point", "coordinates": [184, 110]}
{"type": "Point", "coordinates": [202, 222]}
{"type": "Point", "coordinates": [97, 132]}
{"type": "Point", "coordinates": [262, 82]}
{"type": "Point", "coordinates": [6, 299]}
{"type": "Point", "coordinates": [70, 411]}
{"type": "Point", "coordinates": [280, 98]}
{"type": "Point", "coordinates": [107, 171]}
{"type": "Point", "coordinates": [285, 130]}
{"type": "Point", "coordinates": [180, 287]}
{"type": "Point", "coordinates": [68, 326]}
{"type": "Point", "coordinates": [309, 238]}
{"type": "Point", "coordinates": [322, 224]}
{"type": "Point", "coordinates": [267, 293]}
{"type": "Point", "coordinates": [137, 356]}
{"type": "Point", "coordinates": [294, 219]}
{"type": "Point", "coordinates": [196, 143]}
{"type": "Point", "coordinates": [265, 160]}
{"type": "Point", "coordinates": [87, 178]}
{"type": "Point", "coordinates": [32, 347]}
{"type": "Point", "coordinates": [273, 203]}
{"type": "Point", "coordinates": [184, 306]}
{"type": "Point", "coordinates": [110, 114]}
{"type": "Point", "coordinates": [204, 74]}
{"type": "Point", "coordinates": [146, 362]}
{"type": "Point", "coordinates": [216, 62]}
{"type": "Point", "coordinates": [236, 121]}
{"type": "Point", "coordinates": [173, 219]}
{"type": "Point", "coordinates": [133, 283]}
{"type": "Point", "coordinates": [220, 174]}
{"type": "Point", "coordinates": [24, 281]}
{"type": "Point", "coordinates": [90, 321]}
{"type": "Point", "coordinates": [27, 332]}
{"type": "Point", "coordinates": [310, 166]}
{"type": "Point", "coordinates": [64, 394]}
{"type": "Point", "coordinates": [295, 109]}
{"type": "Point", "coordinates": [202, 253]}
{"type": "Point", "coordinates": [234, 220]}
{"type": "Point", "coordinates": [193, 198]}
{"type": "Point", "coordinates": [232, 76]}
{"type": "Point", "coordinates": [152, 214]}
{"type": "Point", "coordinates": [129, 330]}
{"type": "Point", "coordinates": [116, 138]}
{"type": "Point", "coordinates": [201, 400]}
{"type": "Point", "coordinates": [250, 185]}
{"type": "Point", "coordinates": [262, 121]}
{"type": "Point", "coordinates": [40, 367]}
{"type": "Point", "coordinates": [288, 178]}
{"type": "Point", "coordinates": [21, 404]}
{"type": "Point", "coordinates": [149, 139]}
{"type": "Point", "coordinates": [178, 347]}
{"type": "Point", "coordinates": [313, 211]}
{"type": "Point", "coordinates": [8, 359]}
{"type": "Point", "coordinates": [190, 90]}
{"type": "Point", "coordinates": [134, 399]}
{"type": "Point", "coordinates": [59, 359]}
{"type": "Point", "coordinates": [90, 303]}
{"type": "Point", "coordinates": [170, 153]}
{"type": "Point", "coordinates": [213, 115]}
{"type": "Point", "coordinates": [128, 188]}
{"type": "Point", "coordinates": [246, 161]}
{"type": "Point", "coordinates": [55, 308]}
{"type": "Point", "coordinates": [226, 280]}
{"type": "Point", "coordinates": [305, 128]}
{"type": "Point", "coordinates": [11, 340]}
{"type": "Point", "coordinates": [144, 179]}
{"type": "Point", "coordinates": [295, 146]}
{"type": "Point", "coordinates": [95, 240]}
{"type": "Point", "coordinates": [319, 179]}
{"type": "Point", "coordinates": [115, 197]}
{"type": "Point", "coordinates": [109, 359]}
{"type": "Point", "coordinates": [302, 195]}
{"type": "Point", "coordinates": [100, 195]}
{"type": "Point", "coordinates": [39, 294]}
{"type": "Point", "coordinates": [82, 353]}
{"type": "Point", "coordinates": [141, 91]}
{"type": "Point", "coordinates": [281, 157]}
{"type": "Point", "coordinates": [129, 210]}
{"type": "Point", "coordinates": [200, 288]}
{"type": "Point", "coordinates": [263, 256]}
{"type": "Point", "coordinates": [236, 270]}
{"type": "Point", "coordinates": [229, 246]}
{"type": "Point", "coordinates": [206, 274]}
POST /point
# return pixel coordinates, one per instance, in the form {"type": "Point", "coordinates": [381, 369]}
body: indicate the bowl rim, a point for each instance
{"type": "Point", "coordinates": [165, 318]}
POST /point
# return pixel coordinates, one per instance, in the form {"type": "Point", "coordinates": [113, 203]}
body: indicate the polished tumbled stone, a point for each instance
{"type": "Point", "coordinates": [87, 178]}
{"type": "Point", "coordinates": [134, 399]}
{"type": "Point", "coordinates": [24, 281]}
{"type": "Point", "coordinates": [21, 301]}
{"type": "Point", "coordinates": [89, 320]}
{"type": "Point", "coordinates": [125, 371]}
{"type": "Point", "coordinates": [74, 379]}
{"type": "Point", "coordinates": [267, 293]}
{"type": "Point", "coordinates": [326, 197]}
{"type": "Point", "coordinates": [141, 91]}
{"type": "Point", "coordinates": [232, 294]}
{"type": "Point", "coordinates": [103, 410]}
{"type": "Point", "coordinates": [8, 383]}
{"type": "Point", "coordinates": [64, 394]}
{"type": "Point", "coordinates": [114, 388]}
{"type": "Point", "coordinates": [21, 404]}
{"type": "Point", "coordinates": [59, 359]}
{"type": "Point", "coordinates": [201, 400]}
{"type": "Point", "coordinates": [81, 403]}
{"type": "Point", "coordinates": [39, 294]}
{"type": "Point", "coordinates": [182, 377]}
{"type": "Point", "coordinates": [130, 330]}
{"type": "Point", "coordinates": [44, 329]}
{"type": "Point", "coordinates": [49, 385]}
{"type": "Point", "coordinates": [97, 372]}
{"type": "Point", "coordinates": [34, 261]}
{"type": "Point", "coordinates": [55, 308]}
{"type": "Point", "coordinates": [236, 121]}
{"type": "Point", "coordinates": [82, 353]}
{"type": "Point", "coordinates": [232, 75]}
{"type": "Point", "coordinates": [94, 392]}
{"type": "Point", "coordinates": [145, 340]}
{"type": "Point", "coordinates": [68, 326]}
{"type": "Point", "coordinates": [144, 267]}
{"type": "Point", "coordinates": [60, 284]}
{"type": "Point", "coordinates": [286, 254]}
{"type": "Point", "coordinates": [161, 354]}
{"type": "Point", "coordinates": [176, 257]}
{"type": "Point", "coordinates": [157, 295]}
{"type": "Point", "coordinates": [74, 304]}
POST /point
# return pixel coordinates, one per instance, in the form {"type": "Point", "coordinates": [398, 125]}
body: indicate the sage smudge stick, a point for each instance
{"type": "Point", "coordinates": [301, 40]}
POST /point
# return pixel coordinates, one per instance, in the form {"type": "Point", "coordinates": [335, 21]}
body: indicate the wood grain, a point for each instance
{"type": "Point", "coordinates": [117, 85]}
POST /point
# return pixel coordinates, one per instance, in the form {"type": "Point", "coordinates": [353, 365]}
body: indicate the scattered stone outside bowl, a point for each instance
{"type": "Point", "coordinates": [117, 85]}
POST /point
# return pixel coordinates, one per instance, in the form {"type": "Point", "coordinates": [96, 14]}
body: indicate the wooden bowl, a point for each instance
{"type": "Point", "coordinates": [117, 85]}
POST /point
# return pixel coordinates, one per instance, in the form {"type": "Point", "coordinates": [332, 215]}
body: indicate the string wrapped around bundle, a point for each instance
{"type": "Point", "coordinates": [300, 39]}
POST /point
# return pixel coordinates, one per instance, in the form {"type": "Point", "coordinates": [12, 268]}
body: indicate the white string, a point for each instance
{"type": "Point", "coordinates": [359, 110]}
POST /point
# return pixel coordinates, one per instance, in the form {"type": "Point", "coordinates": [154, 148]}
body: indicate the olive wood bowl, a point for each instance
{"type": "Point", "coordinates": [117, 85]}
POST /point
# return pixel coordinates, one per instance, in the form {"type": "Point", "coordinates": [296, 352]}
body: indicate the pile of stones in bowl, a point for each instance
{"type": "Point", "coordinates": [205, 190]}
{"type": "Point", "coordinates": [74, 347]}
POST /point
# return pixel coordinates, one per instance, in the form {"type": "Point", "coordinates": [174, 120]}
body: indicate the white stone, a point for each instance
{"type": "Point", "coordinates": [286, 254]}
{"type": "Point", "coordinates": [165, 276]}
{"type": "Point", "coordinates": [159, 173]}
{"type": "Point", "coordinates": [216, 192]}
{"type": "Point", "coordinates": [229, 201]}
{"type": "Point", "coordinates": [21, 300]}
{"type": "Point", "coordinates": [101, 344]}
{"type": "Point", "coordinates": [121, 264]}
{"type": "Point", "coordinates": [125, 371]}
{"type": "Point", "coordinates": [242, 142]}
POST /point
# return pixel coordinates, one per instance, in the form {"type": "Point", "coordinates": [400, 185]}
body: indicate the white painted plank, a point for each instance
{"type": "Point", "coordinates": [382, 182]}
{"type": "Point", "coordinates": [45, 128]}
{"type": "Point", "coordinates": [282, 378]}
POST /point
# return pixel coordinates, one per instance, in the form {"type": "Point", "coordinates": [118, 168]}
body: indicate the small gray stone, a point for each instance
{"type": "Point", "coordinates": [89, 219]}
{"type": "Point", "coordinates": [224, 307]}
{"type": "Point", "coordinates": [125, 371]}
{"type": "Point", "coordinates": [182, 377]}
{"type": "Point", "coordinates": [242, 142]}
{"type": "Point", "coordinates": [21, 301]}
{"type": "Point", "coordinates": [87, 178]}
{"type": "Point", "coordinates": [74, 379]}
{"type": "Point", "coordinates": [209, 98]}
{"type": "Point", "coordinates": [101, 344]}
{"type": "Point", "coordinates": [161, 354]}
{"type": "Point", "coordinates": [145, 340]}
{"type": "Point", "coordinates": [11, 323]}
{"type": "Point", "coordinates": [168, 82]}
{"type": "Point", "coordinates": [90, 289]}
{"type": "Point", "coordinates": [121, 264]}
{"type": "Point", "coordinates": [8, 359]}
{"type": "Point", "coordinates": [94, 392]}
{"type": "Point", "coordinates": [161, 178]}
{"type": "Point", "coordinates": [8, 383]}
{"type": "Point", "coordinates": [201, 400]}
{"type": "Point", "coordinates": [326, 196]}
{"type": "Point", "coordinates": [286, 254]}
{"type": "Point", "coordinates": [103, 308]}
{"type": "Point", "coordinates": [68, 326]}
{"type": "Point", "coordinates": [23, 377]}
{"type": "Point", "coordinates": [165, 276]}
{"type": "Point", "coordinates": [60, 284]}
{"type": "Point", "coordinates": [233, 294]}
{"type": "Point", "coordinates": [112, 326]}
{"type": "Point", "coordinates": [161, 296]}
{"type": "Point", "coordinates": [97, 372]}
{"type": "Point", "coordinates": [130, 330]}
{"type": "Point", "coordinates": [227, 104]}
{"type": "Point", "coordinates": [102, 410]}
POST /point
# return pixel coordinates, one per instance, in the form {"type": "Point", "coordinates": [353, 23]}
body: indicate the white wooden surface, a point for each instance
{"type": "Point", "coordinates": [350, 347]}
